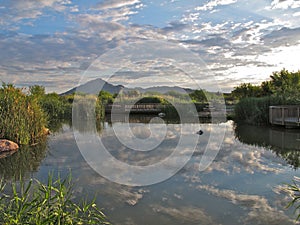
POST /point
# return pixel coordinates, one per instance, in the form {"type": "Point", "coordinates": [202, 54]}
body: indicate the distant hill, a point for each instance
{"type": "Point", "coordinates": [92, 87]}
{"type": "Point", "coordinates": [165, 89]}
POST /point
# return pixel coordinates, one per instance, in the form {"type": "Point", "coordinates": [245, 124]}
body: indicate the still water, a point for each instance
{"type": "Point", "coordinates": [243, 184]}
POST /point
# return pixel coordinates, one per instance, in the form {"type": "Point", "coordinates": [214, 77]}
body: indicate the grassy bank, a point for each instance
{"type": "Point", "coordinates": [26, 113]}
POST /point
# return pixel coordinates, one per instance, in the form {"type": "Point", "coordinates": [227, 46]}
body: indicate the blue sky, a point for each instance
{"type": "Point", "coordinates": [53, 42]}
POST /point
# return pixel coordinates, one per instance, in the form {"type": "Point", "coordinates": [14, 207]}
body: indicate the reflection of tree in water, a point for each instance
{"type": "Point", "coordinates": [57, 125]}
{"type": "Point", "coordinates": [23, 162]}
{"type": "Point", "coordinates": [284, 143]}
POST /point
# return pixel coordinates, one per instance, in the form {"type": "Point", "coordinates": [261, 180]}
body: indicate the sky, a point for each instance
{"type": "Point", "coordinates": [55, 43]}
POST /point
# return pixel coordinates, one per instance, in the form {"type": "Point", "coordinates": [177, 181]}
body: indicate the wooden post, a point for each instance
{"type": "Point", "coordinates": [298, 109]}
{"type": "Point", "coordinates": [282, 116]}
{"type": "Point", "coordinates": [270, 114]}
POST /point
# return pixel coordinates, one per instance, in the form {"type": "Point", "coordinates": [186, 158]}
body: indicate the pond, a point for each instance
{"type": "Point", "coordinates": [243, 184]}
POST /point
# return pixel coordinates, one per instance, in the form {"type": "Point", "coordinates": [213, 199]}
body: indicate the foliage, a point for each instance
{"type": "Point", "coordinates": [21, 118]}
{"type": "Point", "coordinates": [295, 189]}
{"type": "Point", "coordinates": [105, 97]}
{"type": "Point", "coordinates": [132, 93]}
{"type": "Point", "coordinates": [283, 84]}
{"type": "Point", "coordinates": [255, 110]}
{"type": "Point", "coordinates": [180, 96]}
{"type": "Point", "coordinates": [198, 96]}
{"type": "Point", "coordinates": [286, 84]}
{"type": "Point", "coordinates": [36, 203]}
{"type": "Point", "coordinates": [55, 106]}
{"type": "Point", "coordinates": [283, 88]}
{"type": "Point", "coordinates": [150, 99]}
{"type": "Point", "coordinates": [246, 90]}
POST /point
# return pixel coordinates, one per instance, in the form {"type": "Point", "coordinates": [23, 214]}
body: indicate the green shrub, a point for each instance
{"type": "Point", "coordinates": [256, 110]}
{"type": "Point", "coordinates": [55, 106]}
{"type": "Point", "coordinates": [149, 99]}
{"type": "Point", "coordinates": [39, 204]}
{"type": "Point", "coordinates": [21, 118]}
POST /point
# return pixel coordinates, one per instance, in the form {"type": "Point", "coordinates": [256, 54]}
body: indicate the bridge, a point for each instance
{"type": "Point", "coordinates": [135, 108]}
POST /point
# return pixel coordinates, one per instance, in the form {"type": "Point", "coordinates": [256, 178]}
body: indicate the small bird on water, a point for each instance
{"type": "Point", "coordinates": [200, 132]}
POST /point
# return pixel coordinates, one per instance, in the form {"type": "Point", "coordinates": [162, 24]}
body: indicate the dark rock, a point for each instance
{"type": "Point", "coordinates": [200, 132]}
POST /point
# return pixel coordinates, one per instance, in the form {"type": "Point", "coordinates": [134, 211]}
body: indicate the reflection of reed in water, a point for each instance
{"type": "Point", "coordinates": [23, 162]}
{"type": "Point", "coordinates": [284, 143]}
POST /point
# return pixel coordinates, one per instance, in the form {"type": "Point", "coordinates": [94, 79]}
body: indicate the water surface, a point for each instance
{"type": "Point", "coordinates": [243, 185]}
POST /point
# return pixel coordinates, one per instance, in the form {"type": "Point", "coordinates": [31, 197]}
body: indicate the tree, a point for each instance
{"type": "Point", "coordinates": [246, 90]}
{"type": "Point", "coordinates": [198, 96]}
{"type": "Point", "coordinates": [133, 93]}
{"type": "Point", "coordinates": [105, 97]}
{"type": "Point", "coordinates": [37, 90]}
{"type": "Point", "coordinates": [286, 84]}
{"type": "Point", "coordinates": [266, 88]}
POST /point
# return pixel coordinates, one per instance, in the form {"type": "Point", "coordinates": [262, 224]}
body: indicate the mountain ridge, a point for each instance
{"type": "Point", "coordinates": [92, 87]}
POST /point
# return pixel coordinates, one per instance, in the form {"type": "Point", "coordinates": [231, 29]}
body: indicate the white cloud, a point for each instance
{"type": "Point", "coordinates": [188, 214]}
{"type": "Point", "coordinates": [283, 56]}
{"type": "Point", "coordinates": [261, 212]}
{"type": "Point", "coordinates": [113, 4]}
{"type": "Point", "coordinates": [214, 3]}
{"type": "Point", "coordinates": [31, 9]}
{"type": "Point", "coordinates": [285, 4]}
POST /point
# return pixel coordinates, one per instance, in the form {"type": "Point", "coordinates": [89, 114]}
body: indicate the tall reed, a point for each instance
{"type": "Point", "coordinates": [21, 118]}
{"type": "Point", "coordinates": [46, 204]}
{"type": "Point", "coordinates": [294, 189]}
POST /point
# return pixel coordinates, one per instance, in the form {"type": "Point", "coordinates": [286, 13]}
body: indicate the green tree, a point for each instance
{"type": "Point", "coordinates": [198, 96]}
{"type": "Point", "coordinates": [37, 91]}
{"type": "Point", "coordinates": [105, 97]}
{"type": "Point", "coordinates": [133, 93]}
{"type": "Point", "coordinates": [246, 90]}
{"type": "Point", "coordinates": [286, 84]}
{"type": "Point", "coordinates": [266, 88]}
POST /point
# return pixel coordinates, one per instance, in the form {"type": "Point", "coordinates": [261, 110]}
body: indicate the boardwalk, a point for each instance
{"type": "Point", "coordinates": [146, 108]}
{"type": "Point", "coordinates": [288, 116]}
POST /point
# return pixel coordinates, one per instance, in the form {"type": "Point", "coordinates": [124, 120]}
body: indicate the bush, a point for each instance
{"type": "Point", "coordinates": [55, 106]}
{"type": "Point", "coordinates": [149, 99]}
{"type": "Point", "coordinates": [37, 203]}
{"type": "Point", "coordinates": [256, 110]}
{"type": "Point", "coordinates": [21, 118]}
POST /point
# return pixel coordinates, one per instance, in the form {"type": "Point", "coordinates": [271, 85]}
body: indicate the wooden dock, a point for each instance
{"type": "Point", "coordinates": [285, 115]}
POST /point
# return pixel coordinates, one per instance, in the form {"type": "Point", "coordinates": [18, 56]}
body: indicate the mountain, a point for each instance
{"type": "Point", "coordinates": [165, 89]}
{"type": "Point", "coordinates": [93, 87]}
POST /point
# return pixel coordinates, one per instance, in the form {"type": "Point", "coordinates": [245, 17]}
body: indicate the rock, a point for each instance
{"type": "Point", "coordinates": [161, 114]}
{"type": "Point", "coordinates": [8, 146]}
{"type": "Point", "coordinates": [200, 132]}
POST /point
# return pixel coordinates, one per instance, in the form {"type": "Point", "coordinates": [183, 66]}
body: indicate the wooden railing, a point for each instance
{"type": "Point", "coordinates": [286, 115]}
{"type": "Point", "coordinates": [136, 108]}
